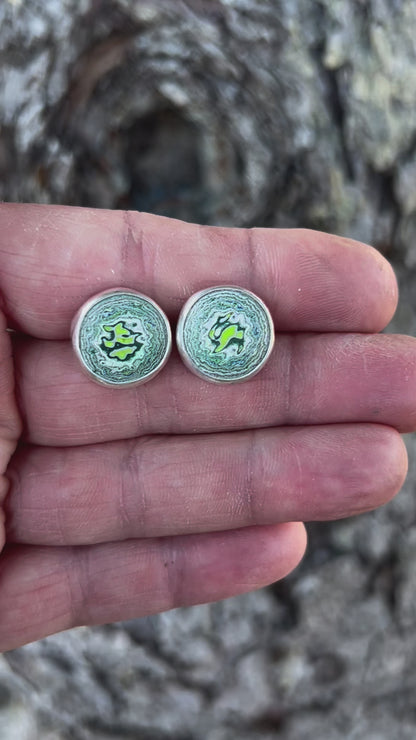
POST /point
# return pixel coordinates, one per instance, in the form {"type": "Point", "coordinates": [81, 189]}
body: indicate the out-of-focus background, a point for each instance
{"type": "Point", "coordinates": [235, 112]}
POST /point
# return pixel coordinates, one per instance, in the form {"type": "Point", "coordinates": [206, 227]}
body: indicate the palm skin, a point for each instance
{"type": "Point", "coordinates": [122, 503]}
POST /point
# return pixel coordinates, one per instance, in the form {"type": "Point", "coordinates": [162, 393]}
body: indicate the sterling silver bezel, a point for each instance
{"type": "Point", "coordinates": [77, 322]}
{"type": "Point", "coordinates": [180, 333]}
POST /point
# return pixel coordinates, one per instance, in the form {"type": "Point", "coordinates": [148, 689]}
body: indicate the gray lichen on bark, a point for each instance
{"type": "Point", "coordinates": [240, 112]}
{"type": "Point", "coordinates": [281, 113]}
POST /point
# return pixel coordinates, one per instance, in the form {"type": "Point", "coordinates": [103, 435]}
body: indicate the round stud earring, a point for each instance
{"type": "Point", "coordinates": [225, 334]}
{"type": "Point", "coordinates": [121, 337]}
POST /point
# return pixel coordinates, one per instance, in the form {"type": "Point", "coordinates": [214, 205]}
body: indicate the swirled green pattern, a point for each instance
{"type": "Point", "coordinates": [226, 334]}
{"type": "Point", "coordinates": [123, 338]}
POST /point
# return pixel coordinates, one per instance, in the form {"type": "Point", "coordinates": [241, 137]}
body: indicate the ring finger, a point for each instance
{"type": "Point", "coordinates": [159, 486]}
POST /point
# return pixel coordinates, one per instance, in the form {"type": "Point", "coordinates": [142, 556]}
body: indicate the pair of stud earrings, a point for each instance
{"type": "Point", "coordinates": [225, 334]}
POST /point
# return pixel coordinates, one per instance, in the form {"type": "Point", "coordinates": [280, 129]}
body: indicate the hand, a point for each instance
{"type": "Point", "coordinates": [124, 503]}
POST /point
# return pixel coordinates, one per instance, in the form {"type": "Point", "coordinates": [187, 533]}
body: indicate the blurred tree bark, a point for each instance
{"type": "Point", "coordinates": [224, 111]}
{"type": "Point", "coordinates": [236, 112]}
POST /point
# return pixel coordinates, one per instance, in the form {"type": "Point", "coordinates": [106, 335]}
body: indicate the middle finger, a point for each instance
{"type": "Point", "coordinates": [310, 379]}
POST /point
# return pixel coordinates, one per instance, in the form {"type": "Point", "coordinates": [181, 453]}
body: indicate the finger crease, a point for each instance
{"type": "Point", "coordinates": [251, 257]}
{"type": "Point", "coordinates": [129, 478]}
{"type": "Point", "coordinates": [251, 455]}
{"type": "Point", "coordinates": [173, 563]}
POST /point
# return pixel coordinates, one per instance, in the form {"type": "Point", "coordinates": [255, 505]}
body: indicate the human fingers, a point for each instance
{"type": "Point", "coordinates": [53, 258]}
{"type": "Point", "coordinates": [161, 486]}
{"type": "Point", "coordinates": [10, 425]}
{"type": "Point", "coordinates": [49, 589]}
{"type": "Point", "coordinates": [310, 379]}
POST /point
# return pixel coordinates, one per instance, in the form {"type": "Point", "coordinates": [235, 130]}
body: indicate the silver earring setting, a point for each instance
{"type": "Point", "coordinates": [121, 337]}
{"type": "Point", "coordinates": [225, 334]}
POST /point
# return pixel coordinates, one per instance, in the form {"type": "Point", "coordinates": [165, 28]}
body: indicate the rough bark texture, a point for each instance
{"type": "Point", "coordinates": [266, 112]}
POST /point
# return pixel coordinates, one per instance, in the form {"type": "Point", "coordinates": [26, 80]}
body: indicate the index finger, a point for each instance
{"type": "Point", "coordinates": [52, 258]}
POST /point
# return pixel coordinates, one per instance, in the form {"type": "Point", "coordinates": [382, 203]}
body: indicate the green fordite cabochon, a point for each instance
{"type": "Point", "coordinates": [225, 334]}
{"type": "Point", "coordinates": [121, 337]}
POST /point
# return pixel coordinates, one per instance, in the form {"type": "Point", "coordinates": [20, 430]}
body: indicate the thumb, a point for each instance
{"type": "Point", "coordinates": [10, 424]}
